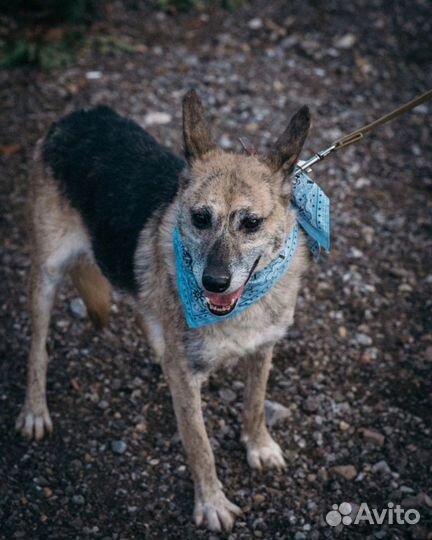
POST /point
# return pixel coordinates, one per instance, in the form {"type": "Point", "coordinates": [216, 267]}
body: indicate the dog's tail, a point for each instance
{"type": "Point", "coordinates": [94, 289]}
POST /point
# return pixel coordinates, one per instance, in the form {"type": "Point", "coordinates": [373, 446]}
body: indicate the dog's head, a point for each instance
{"type": "Point", "coordinates": [234, 209]}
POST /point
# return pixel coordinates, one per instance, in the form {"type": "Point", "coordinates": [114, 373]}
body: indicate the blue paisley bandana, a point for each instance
{"type": "Point", "coordinates": [313, 216]}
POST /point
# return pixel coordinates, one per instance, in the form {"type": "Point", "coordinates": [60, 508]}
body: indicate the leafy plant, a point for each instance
{"type": "Point", "coordinates": [46, 56]}
{"type": "Point", "coordinates": [68, 11]}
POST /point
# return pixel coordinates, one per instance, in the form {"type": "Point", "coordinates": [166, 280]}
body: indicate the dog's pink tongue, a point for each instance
{"type": "Point", "coordinates": [223, 300]}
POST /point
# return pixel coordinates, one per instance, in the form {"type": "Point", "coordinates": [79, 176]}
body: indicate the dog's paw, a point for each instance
{"type": "Point", "coordinates": [216, 512]}
{"type": "Point", "coordinates": [34, 422]}
{"type": "Point", "coordinates": [266, 455]}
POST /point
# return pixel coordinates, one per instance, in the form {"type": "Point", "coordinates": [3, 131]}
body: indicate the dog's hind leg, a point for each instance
{"type": "Point", "coordinates": [58, 239]}
{"type": "Point", "coordinates": [94, 289]}
{"type": "Point", "coordinates": [262, 450]}
{"type": "Point", "coordinates": [46, 275]}
{"type": "Point", "coordinates": [34, 419]}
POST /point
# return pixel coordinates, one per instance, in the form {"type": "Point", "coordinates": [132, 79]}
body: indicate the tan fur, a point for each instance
{"type": "Point", "coordinates": [94, 289]}
{"type": "Point", "coordinates": [228, 183]}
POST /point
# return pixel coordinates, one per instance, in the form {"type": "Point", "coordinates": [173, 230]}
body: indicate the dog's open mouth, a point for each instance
{"type": "Point", "coordinates": [223, 304]}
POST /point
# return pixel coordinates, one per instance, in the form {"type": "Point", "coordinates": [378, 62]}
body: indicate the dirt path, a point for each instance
{"type": "Point", "coordinates": [360, 353]}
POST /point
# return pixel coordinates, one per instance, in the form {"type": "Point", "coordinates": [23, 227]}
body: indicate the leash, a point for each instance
{"type": "Point", "coordinates": [358, 134]}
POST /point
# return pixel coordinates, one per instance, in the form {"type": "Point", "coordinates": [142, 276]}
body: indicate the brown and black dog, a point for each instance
{"type": "Point", "coordinates": [106, 198]}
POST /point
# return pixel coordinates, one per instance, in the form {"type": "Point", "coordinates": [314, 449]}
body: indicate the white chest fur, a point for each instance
{"type": "Point", "coordinates": [262, 324]}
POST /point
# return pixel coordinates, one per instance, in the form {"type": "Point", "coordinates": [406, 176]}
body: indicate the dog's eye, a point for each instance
{"type": "Point", "coordinates": [201, 219]}
{"type": "Point", "coordinates": [251, 223]}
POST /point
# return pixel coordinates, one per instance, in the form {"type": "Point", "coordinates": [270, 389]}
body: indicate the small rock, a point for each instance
{"type": "Point", "coordinates": [225, 141]}
{"type": "Point", "coordinates": [344, 426]}
{"type": "Point", "coordinates": [255, 24]}
{"type": "Point", "coordinates": [405, 288]}
{"type": "Point", "coordinates": [406, 489]}
{"type": "Point", "coordinates": [342, 331]}
{"type": "Point", "coordinates": [299, 536]}
{"type": "Point", "coordinates": [158, 118]}
{"type": "Point", "coordinates": [381, 467]}
{"type": "Point", "coordinates": [252, 127]}
{"type": "Point", "coordinates": [78, 499]}
{"type": "Point", "coordinates": [259, 498]}
{"type": "Point", "coordinates": [366, 358]}
{"type": "Point", "coordinates": [348, 472]}
{"type": "Point", "coordinates": [362, 183]}
{"type": "Point", "coordinates": [93, 75]}
{"type": "Point", "coordinates": [275, 412]}
{"type": "Point", "coordinates": [428, 354]}
{"type": "Point", "coordinates": [311, 404]}
{"type": "Point", "coordinates": [373, 437]}
{"type": "Point", "coordinates": [346, 41]}
{"type": "Point", "coordinates": [422, 499]}
{"type": "Point", "coordinates": [118, 447]}
{"type": "Point", "coordinates": [356, 253]}
{"type": "Point", "coordinates": [141, 427]}
{"type": "Point", "coordinates": [47, 492]}
{"type": "Point", "coordinates": [363, 339]}
{"type": "Point", "coordinates": [78, 308]}
{"type": "Point", "coordinates": [227, 395]}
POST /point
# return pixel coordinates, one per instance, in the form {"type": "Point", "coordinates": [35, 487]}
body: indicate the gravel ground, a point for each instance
{"type": "Point", "coordinates": [353, 373]}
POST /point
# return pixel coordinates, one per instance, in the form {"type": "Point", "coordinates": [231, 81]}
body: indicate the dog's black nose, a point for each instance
{"type": "Point", "coordinates": [216, 281]}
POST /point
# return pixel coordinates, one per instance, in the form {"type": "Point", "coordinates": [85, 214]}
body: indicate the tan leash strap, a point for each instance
{"type": "Point", "coordinates": [358, 134]}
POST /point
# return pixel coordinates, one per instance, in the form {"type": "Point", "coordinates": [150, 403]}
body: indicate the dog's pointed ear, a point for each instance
{"type": "Point", "coordinates": [196, 131]}
{"type": "Point", "coordinates": [286, 150]}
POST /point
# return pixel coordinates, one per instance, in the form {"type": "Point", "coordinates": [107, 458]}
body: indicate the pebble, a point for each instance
{"type": "Point", "coordinates": [255, 24]}
{"type": "Point", "coordinates": [346, 41]}
{"type": "Point", "coordinates": [428, 354]}
{"type": "Point", "coordinates": [342, 331]}
{"type": "Point", "coordinates": [344, 426]}
{"type": "Point", "coordinates": [381, 467]}
{"type": "Point", "coordinates": [78, 308]}
{"type": "Point", "coordinates": [47, 492]}
{"type": "Point", "coordinates": [347, 472]}
{"type": "Point", "coordinates": [363, 339]}
{"type": "Point", "coordinates": [157, 118]}
{"type": "Point", "coordinates": [311, 404]}
{"type": "Point", "coordinates": [373, 437]}
{"type": "Point", "coordinates": [141, 427]}
{"type": "Point", "coordinates": [118, 447]}
{"type": "Point", "coordinates": [226, 142]}
{"type": "Point", "coordinates": [93, 75]}
{"type": "Point", "coordinates": [78, 500]}
{"type": "Point", "coordinates": [418, 501]}
{"type": "Point", "coordinates": [275, 412]}
{"type": "Point", "coordinates": [227, 395]}
{"type": "Point", "coordinates": [362, 183]}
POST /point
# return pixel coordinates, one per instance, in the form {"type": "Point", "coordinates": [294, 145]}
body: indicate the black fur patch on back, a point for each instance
{"type": "Point", "coordinates": [116, 175]}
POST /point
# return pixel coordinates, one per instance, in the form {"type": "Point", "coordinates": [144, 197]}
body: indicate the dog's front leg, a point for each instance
{"type": "Point", "coordinates": [211, 505]}
{"type": "Point", "coordinates": [262, 450]}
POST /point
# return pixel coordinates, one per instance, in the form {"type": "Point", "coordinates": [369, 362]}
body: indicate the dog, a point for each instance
{"type": "Point", "coordinates": [106, 200]}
